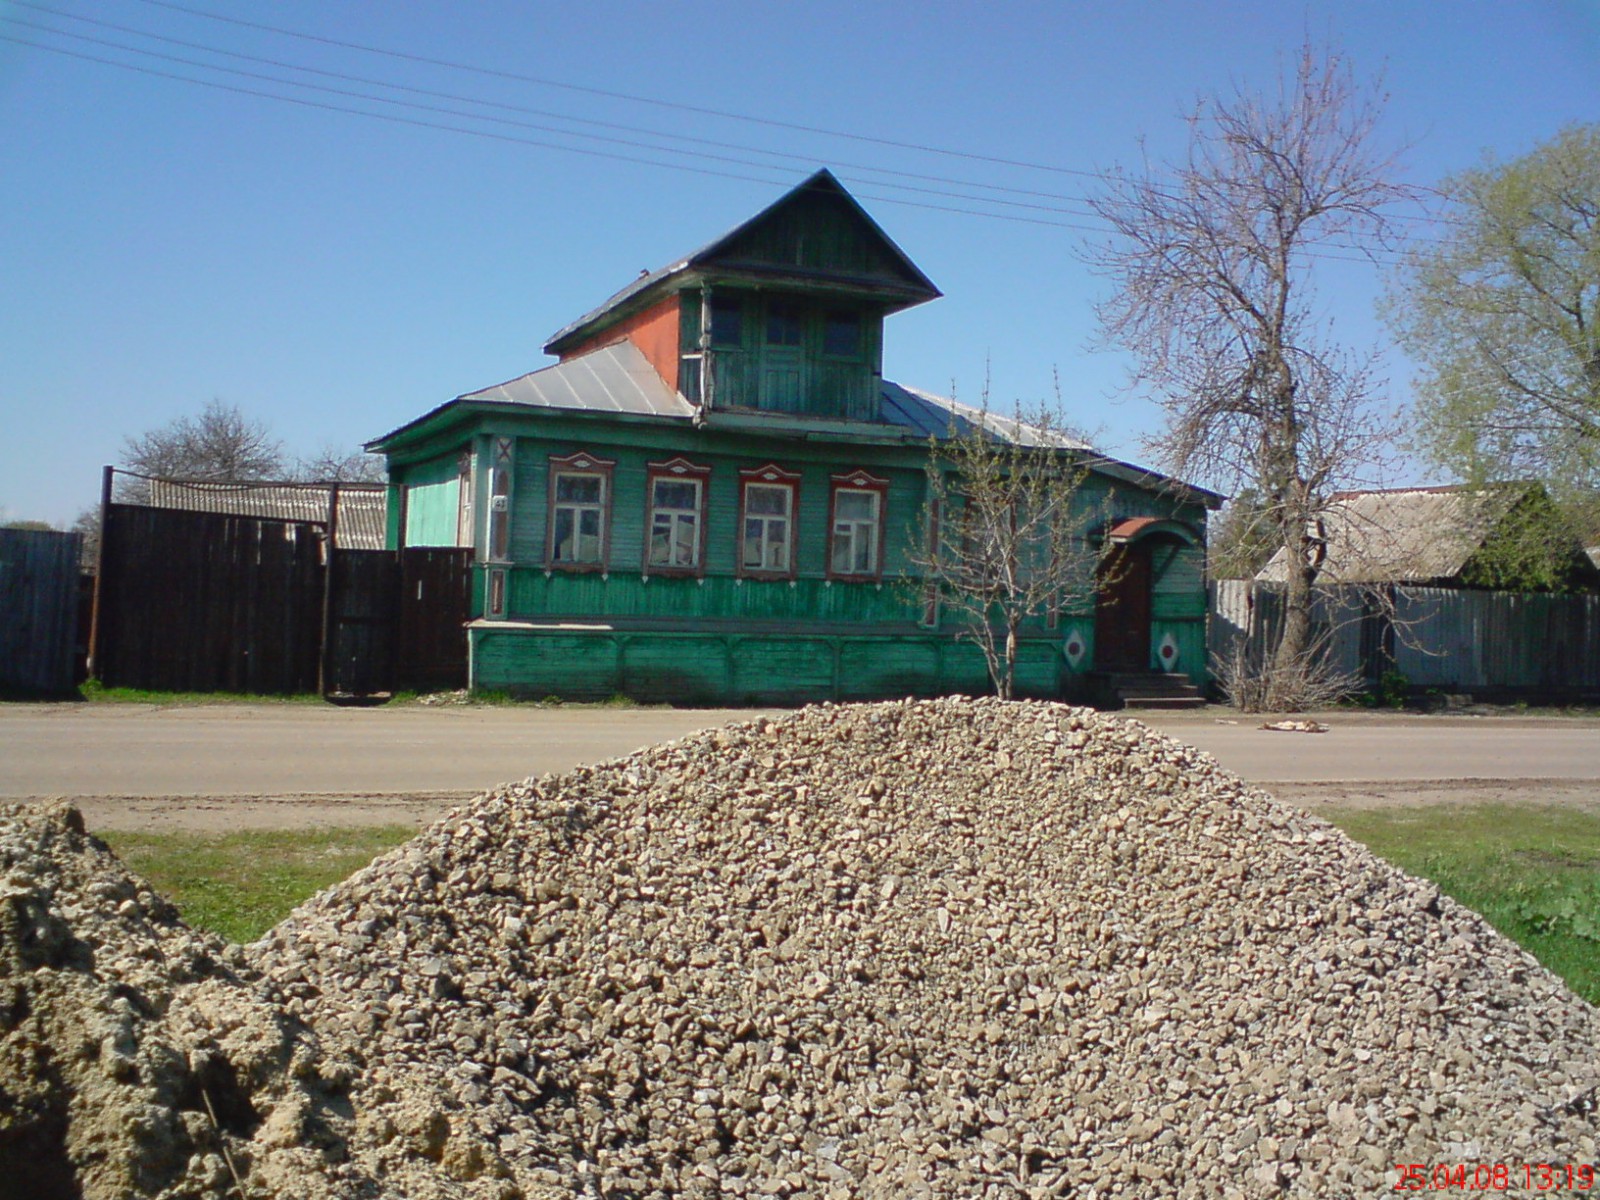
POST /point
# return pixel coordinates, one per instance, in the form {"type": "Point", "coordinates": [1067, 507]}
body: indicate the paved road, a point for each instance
{"type": "Point", "coordinates": [256, 750]}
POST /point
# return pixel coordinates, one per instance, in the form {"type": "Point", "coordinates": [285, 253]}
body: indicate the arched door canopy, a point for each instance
{"type": "Point", "coordinates": [1136, 529]}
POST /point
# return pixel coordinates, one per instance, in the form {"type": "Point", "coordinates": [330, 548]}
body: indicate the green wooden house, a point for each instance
{"type": "Point", "coordinates": [709, 497]}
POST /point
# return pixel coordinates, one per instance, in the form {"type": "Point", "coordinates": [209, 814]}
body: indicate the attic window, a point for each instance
{"type": "Point", "coordinates": [783, 323]}
{"type": "Point", "coordinates": [727, 321]}
{"type": "Point", "coordinates": [841, 334]}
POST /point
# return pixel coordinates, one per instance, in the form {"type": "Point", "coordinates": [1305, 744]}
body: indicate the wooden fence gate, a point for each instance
{"type": "Point", "coordinates": [199, 601]}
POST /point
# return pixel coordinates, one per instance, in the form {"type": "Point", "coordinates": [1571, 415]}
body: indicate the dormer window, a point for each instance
{"type": "Point", "coordinates": [841, 334]}
{"type": "Point", "coordinates": [727, 321]}
{"type": "Point", "coordinates": [785, 323]}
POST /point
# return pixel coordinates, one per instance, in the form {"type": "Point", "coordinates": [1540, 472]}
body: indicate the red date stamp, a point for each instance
{"type": "Point", "coordinates": [1497, 1177]}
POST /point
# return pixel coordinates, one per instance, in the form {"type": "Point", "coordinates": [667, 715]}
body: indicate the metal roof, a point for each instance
{"type": "Point", "coordinates": [615, 378]}
{"type": "Point", "coordinates": [932, 415]}
{"type": "Point", "coordinates": [1407, 535]}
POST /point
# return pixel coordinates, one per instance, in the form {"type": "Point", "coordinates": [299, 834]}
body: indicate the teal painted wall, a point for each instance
{"type": "Point", "coordinates": [432, 502]}
{"type": "Point", "coordinates": [744, 668]}
{"type": "Point", "coordinates": [721, 638]}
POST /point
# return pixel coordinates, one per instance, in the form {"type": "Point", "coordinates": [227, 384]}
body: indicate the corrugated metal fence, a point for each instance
{"type": "Point", "coordinates": [1455, 641]}
{"type": "Point", "coordinates": [38, 610]}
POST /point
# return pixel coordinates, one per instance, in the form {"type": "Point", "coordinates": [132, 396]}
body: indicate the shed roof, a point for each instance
{"type": "Point", "coordinates": [362, 515]}
{"type": "Point", "coordinates": [1405, 535]}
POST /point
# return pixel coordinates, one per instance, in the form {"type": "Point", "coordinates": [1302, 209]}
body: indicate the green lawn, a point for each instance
{"type": "Point", "coordinates": [1533, 871]}
{"type": "Point", "coordinates": [242, 884]}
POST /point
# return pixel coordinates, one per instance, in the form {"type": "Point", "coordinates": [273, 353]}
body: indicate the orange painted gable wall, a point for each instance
{"type": "Point", "coordinates": [654, 331]}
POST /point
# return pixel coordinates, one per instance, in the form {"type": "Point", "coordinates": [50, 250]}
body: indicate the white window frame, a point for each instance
{"type": "Point", "coordinates": [677, 470]}
{"type": "Point", "coordinates": [774, 478]}
{"type": "Point", "coordinates": [857, 483]}
{"type": "Point", "coordinates": [580, 466]}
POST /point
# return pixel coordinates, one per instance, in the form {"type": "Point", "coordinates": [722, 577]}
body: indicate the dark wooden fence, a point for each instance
{"type": "Point", "coordinates": [196, 601]}
{"type": "Point", "coordinates": [1491, 644]}
{"type": "Point", "coordinates": [38, 610]}
{"type": "Point", "coordinates": [207, 602]}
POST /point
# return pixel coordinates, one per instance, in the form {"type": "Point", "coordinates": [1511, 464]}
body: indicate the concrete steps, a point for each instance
{"type": "Point", "coordinates": [1146, 689]}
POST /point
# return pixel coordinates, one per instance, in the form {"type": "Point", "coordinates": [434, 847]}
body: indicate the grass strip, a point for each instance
{"type": "Point", "coordinates": [242, 884]}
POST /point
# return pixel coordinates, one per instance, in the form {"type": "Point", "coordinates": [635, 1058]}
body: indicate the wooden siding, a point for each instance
{"type": "Point", "coordinates": [818, 234]}
{"type": "Point", "coordinates": [38, 610]}
{"type": "Point", "coordinates": [432, 502]}
{"type": "Point", "coordinates": [742, 668]}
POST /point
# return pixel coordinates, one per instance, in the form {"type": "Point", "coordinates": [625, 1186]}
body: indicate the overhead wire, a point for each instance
{"type": "Point", "coordinates": [1363, 254]}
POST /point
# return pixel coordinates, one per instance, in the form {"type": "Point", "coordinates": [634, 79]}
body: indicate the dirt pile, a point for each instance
{"type": "Point", "coordinates": [943, 949]}
{"type": "Point", "coordinates": [139, 1057]}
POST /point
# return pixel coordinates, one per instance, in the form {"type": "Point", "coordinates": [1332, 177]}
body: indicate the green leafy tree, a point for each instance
{"type": "Point", "coordinates": [1503, 314]}
{"type": "Point", "coordinates": [1242, 538]}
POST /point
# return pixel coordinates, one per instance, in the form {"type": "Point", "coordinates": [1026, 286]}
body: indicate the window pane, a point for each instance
{"type": "Point", "coordinates": [770, 500]}
{"type": "Point", "coordinates": [841, 334]}
{"type": "Point", "coordinates": [589, 522]}
{"type": "Point", "coordinates": [581, 489]}
{"type": "Point", "coordinates": [855, 506]}
{"type": "Point", "coordinates": [783, 324]}
{"type": "Point", "coordinates": [727, 323]}
{"type": "Point", "coordinates": [863, 562]}
{"type": "Point", "coordinates": [674, 493]}
{"type": "Point", "coordinates": [752, 543]}
{"type": "Point", "coordinates": [841, 550]}
{"type": "Point", "coordinates": [563, 539]}
{"type": "Point", "coordinates": [777, 545]}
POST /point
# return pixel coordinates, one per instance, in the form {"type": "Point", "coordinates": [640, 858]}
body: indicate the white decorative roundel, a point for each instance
{"type": "Point", "coordinates": [1167, 652]}
{"type": "Point", "coordinates": [1075, 648]}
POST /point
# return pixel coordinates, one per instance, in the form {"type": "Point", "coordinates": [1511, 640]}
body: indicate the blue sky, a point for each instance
{"type": "Point", "coordinates": [336, 275]}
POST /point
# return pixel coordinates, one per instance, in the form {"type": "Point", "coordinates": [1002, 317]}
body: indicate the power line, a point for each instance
{"type": "Point", "coordinates": [518, 108]}
{"type": "Point", "coordinates": [394, 118]}
{"type": "Point", "coordinates": [1364, 255]}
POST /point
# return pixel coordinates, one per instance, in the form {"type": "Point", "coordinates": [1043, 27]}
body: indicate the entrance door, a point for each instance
{"type": "Point", "coordinates": [1122, 610]}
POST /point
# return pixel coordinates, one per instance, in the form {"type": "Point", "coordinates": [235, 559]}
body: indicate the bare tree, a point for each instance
{"type": "Point", "coordinates": [1212, 261]}
{"type": "Point", "coordinates": [332, 465]}
{"type": "Point", "coordinates": [1006, 526]}
{"type": "Point", "coordinates": [220, 445]}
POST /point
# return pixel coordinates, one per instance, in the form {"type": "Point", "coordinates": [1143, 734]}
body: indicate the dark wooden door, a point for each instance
{"type": "Point", "coordinates": [435, 606]}
{"type": "Point", "coordinates": [1122, 610]}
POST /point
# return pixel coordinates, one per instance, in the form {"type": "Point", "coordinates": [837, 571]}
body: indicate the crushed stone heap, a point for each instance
{"type": "Point", "coordinates": [943, 948]}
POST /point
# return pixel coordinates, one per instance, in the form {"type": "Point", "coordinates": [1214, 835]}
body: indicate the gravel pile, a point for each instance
{"type": "Point", "coordinates": [944, 948]}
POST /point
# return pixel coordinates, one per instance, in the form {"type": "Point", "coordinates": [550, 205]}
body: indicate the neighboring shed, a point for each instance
{"type": "Point", "coordinates": [711, 495]}
{"type": "Point", "coordinates": [1499, 537]}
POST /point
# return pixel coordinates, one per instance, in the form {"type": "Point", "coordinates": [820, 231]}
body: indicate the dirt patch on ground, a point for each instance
{"type": "Point", "coordinates": [1427, 793]}
{"type": "Point", "coordinates": [228, 814]}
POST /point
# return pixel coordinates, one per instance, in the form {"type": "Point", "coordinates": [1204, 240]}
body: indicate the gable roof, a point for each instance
{"type": "Point", "coordinates": [878, 267]}
{"type": "Point", "coordinates": [1405, 535]}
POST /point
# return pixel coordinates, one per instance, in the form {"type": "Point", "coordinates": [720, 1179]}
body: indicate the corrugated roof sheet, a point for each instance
{"type": "Point", "coordinates": [363, 507]}
{"type": "Point", "coordinates": [1409, 535]}
{"type": "Point", "coordinates": [615, 378]}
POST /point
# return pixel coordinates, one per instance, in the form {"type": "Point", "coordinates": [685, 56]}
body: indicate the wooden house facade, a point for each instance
{"type": "Point", "coordinates": [710, 496]}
